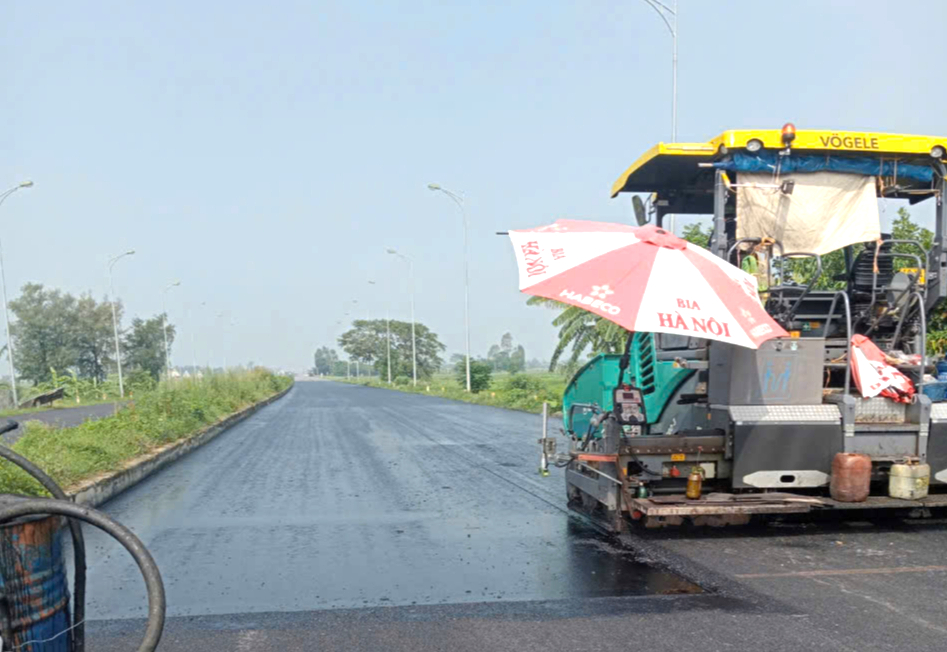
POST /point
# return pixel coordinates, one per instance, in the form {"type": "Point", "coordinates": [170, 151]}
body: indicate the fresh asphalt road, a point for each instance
{"type": "Point", "coordinates": [348, 518]}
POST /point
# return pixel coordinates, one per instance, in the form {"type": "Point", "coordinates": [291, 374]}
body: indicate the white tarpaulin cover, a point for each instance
{"type": "Point", "coordinates": [826, 210]}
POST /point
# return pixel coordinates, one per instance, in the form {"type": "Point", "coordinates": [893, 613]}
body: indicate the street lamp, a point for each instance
{"type": "Point", "coordinates": [193, 346]}
{"type": "Point", "coordinates": [164, 319]}
{"type": "Point", "coordinates": [6, 314]}
{"type": "Point", "coordinates": [414, 349]}
{"type": "Point", "coordinates": [118, 348]}
{"type": "Point", "coordinates": [387, 335]}
{"type": "Point", "coordinates": [354, 306]}
{"type": "Point", "coordinates": [459, 200]}
{"type": "Point", "coordinates": [664, 11]}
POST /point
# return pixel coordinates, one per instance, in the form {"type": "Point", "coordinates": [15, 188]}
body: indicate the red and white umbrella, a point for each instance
{"type": "Point", "coordinates": [645, 279]}
{"type": "Point", "coordinates": [874, 376]}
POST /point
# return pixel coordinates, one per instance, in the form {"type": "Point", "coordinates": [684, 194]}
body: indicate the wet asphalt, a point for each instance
{"type": "Point", "coordinates": [348, 518]}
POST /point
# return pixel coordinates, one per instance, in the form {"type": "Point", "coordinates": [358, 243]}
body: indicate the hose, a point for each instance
{"type": "Point", "coordinates": [78, 542]}
{"type": "Point", "coordinates": [146, 564]}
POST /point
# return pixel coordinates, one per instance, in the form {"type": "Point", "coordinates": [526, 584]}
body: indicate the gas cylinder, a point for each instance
{"type": "Point", "coordinates": [851, 477]}
{"type": "Point", "coordinates": [694, 483]}
{"type": "Point", "coordinates": [909, 480]}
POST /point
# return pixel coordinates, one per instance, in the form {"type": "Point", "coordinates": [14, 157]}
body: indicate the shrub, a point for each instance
{"type": "Point", "coordinates": [524, 383]}
{"type": "Point", "coordinates": [401, 381]}
{"type": "Point", "coordinates": [480, 373]}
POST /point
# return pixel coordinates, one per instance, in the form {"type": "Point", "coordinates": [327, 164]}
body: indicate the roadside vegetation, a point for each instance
{"type": "Point", "coordinates": [170, 412]}
{"type": "Point", "coordinates": [520, 391]}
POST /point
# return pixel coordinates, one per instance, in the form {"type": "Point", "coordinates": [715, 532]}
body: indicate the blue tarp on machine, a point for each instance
{"type": "Point", "coordinates": [767, 162]}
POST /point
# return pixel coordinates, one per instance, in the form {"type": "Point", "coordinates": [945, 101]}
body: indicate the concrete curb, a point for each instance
{"type": "Point", "coordinates": [99, 490]}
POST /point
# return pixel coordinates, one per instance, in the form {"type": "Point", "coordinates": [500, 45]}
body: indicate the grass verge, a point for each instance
{"type": "Point", "coordinates": [58, 404]}
{"type": "Point", "coordinates": [172, 412]}
{"type": "Point", "coordinates": [524, 392]}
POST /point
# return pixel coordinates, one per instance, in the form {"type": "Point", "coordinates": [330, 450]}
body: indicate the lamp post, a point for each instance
{"type": "Point", "coordinates": [664, 11]}
{"type": "Point", "coordinates": [118, 348]}
{"type": "Point", "coordinates": [459, 200]}
{"type": "Point", "coordinates": [3, 283]}
{"type": "Point", "coordinates": [387, 335]}
{"type": "Point", "coordinates": [414, 349]}
{"type": "Point", "coordinates": [193, 346]}
{"type": "Point", "coordinates": [354, 307]}
{"type": "Point", "coordinates": [164, 320]}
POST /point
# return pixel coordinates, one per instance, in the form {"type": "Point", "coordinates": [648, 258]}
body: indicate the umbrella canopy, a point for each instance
{"type": "Point", "coordinates": [644, 279]}
{"type": "Point", "coordinates": [874, 376]}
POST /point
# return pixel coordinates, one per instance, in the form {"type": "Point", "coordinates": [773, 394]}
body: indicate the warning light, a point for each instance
{"type": "Point", "coordinates": [788, 133]}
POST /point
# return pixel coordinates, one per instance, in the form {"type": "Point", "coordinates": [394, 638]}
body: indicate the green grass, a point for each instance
{"type": "Point", "coordinates": [524, 392]}
{"type": "Point", "coordinates": [170, 413]}
{"type": "Point", "coordinates": [59, 404]}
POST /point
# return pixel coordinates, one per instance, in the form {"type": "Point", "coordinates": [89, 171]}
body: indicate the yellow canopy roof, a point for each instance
{"type": "Point", "coordinates": [673, 167]}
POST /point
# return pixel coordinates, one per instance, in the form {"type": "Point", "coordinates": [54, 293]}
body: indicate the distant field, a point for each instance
{"type": "Point", "coordinates": [525, 391]}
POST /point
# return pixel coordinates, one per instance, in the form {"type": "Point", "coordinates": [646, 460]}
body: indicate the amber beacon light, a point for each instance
{"type": "Point", "coordinates": [788, 133]}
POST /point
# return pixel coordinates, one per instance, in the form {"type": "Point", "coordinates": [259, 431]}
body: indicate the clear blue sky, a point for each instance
{"type": "Point", "coordinates": [267, 153]}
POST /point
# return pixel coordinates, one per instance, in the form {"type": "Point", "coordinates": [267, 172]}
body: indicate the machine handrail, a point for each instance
{"type": "Point", "coordinates": [806, 290]}
{"type": "Point", "coordinates": [756, 241]}
{"type": "Point", "coordinates": [910, 289]}
{"type": "Point", "coordinates": [848, 333]}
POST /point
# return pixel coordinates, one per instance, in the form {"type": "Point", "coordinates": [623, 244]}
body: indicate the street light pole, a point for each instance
{"type": "Point", "coordinates": [118, 348]}
{"type": "Point", "coordinates": [164, 319]}
{"type": "Point", "coordinates": [354, 308]}
{"type": "Point", "coordinates": [388, 338]}
{"type": "Point", "coordinates": [664, 11]}
{"type": "Point", "coordinates": [459, 200]}
{"type": "Point", "coordinates": [414, 350]}
{"type": "Point", "coordinates": [6, 314]}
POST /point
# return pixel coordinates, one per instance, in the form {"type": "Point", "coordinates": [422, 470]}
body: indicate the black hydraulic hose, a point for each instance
{"type": "Point", "coordinates": [625, 359]}
{"type": "Point", "coordinates": [146, 564]}
{"type": "Point", "coordinates": [75, 528]}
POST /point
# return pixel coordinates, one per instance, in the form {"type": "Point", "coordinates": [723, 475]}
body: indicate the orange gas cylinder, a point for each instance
{"type": "Point", "coordinates": [851, 477]}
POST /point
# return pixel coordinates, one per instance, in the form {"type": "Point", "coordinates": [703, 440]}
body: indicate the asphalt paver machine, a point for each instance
{"type": "Point", "coordinates": [761, 427]}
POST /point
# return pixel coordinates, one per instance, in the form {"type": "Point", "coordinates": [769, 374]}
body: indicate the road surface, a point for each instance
{"type": "Point", "coordinates": [348, 518]}
{"type": "Point", "coordinates": [61, 417]}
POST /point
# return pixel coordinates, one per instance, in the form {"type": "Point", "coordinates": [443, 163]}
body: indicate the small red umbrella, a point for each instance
{"type": "Point", "coordinates": [645, 279]}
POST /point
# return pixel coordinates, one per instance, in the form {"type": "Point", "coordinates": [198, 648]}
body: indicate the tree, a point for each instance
{"type": "Point", "coordinates": [903, 228]}
{"type": "Point", "coordinates": [367, 341]}
{"type": "Point", "coordinates": [93, 337]}
{"type": "Point", "coordinates": [144, 345]}
{"type": "Point", "coordinates": [480, 371]}
{"type": "Point", "coordinates": [324, 360]}
{"type": "Point", "coordinates": [695, 234]}
{"type": "Point", "coordinates": [44, 332]}
{"type": "Point", "coordinates": [517, 360]}
{"type": "Point", "coordinates": [504, 357]}
{"type": "Point", "coordinates": [506, 343]}
{"type": "Point", "coordinates": [582, 331]}
{"type": "Point", "coordinates": [493, 354]}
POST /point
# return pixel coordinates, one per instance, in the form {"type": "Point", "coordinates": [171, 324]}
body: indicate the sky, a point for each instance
{"type": "Point", "coordinates": [267, 154]}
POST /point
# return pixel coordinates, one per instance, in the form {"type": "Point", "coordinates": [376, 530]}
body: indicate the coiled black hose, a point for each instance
{"type": "Point", "coordinates": [149, 570]}
{"type": "Point", "coordinates": [78, 542]}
